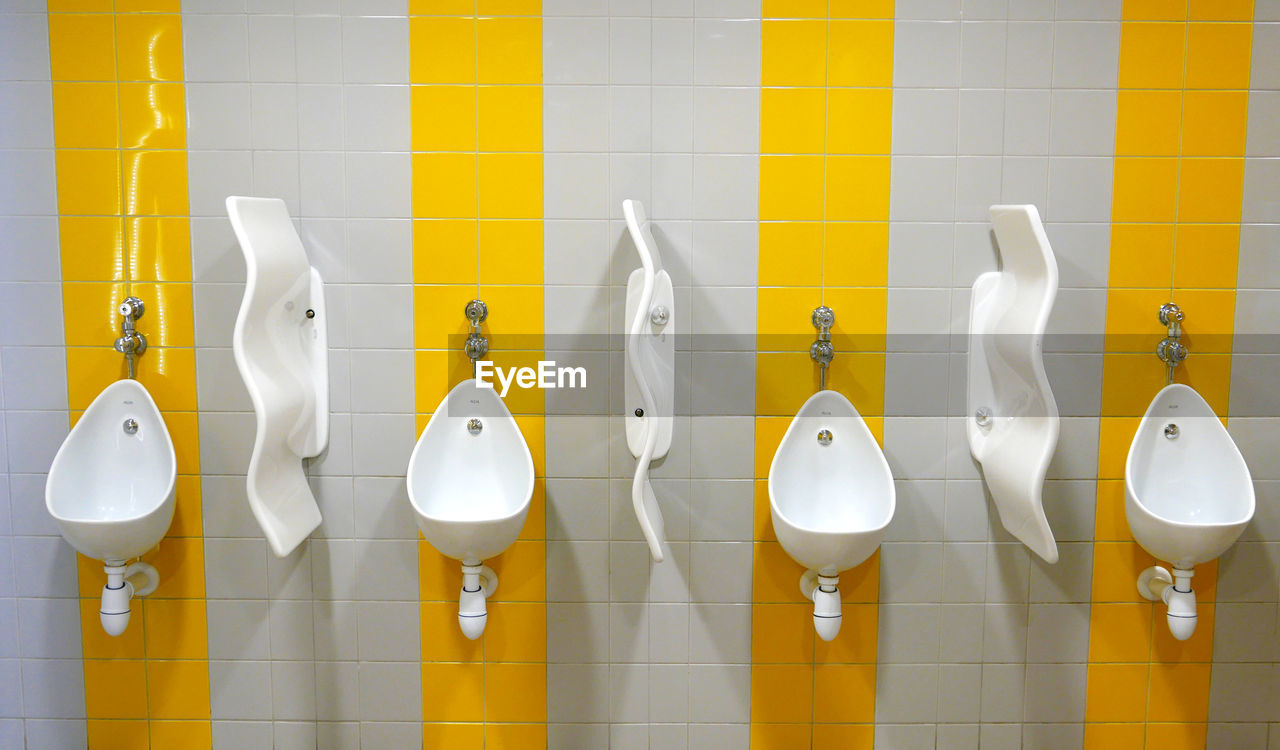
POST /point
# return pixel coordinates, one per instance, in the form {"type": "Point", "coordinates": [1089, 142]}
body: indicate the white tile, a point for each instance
{"type": "Point", "coordinates": [1079, 189]}
{"type": "Point", "coordinates": [377, 117]}
{"type": "Point", "coordinates": [1086, 55]}
{"type": "Point", "coordinates": [38, 378]}
{"type": "Point", "coordinates": [726, 119]}
{"type": "Point", "coordinates": [920, 256]}
{"type": "Point", "coordinates": [30, 246]}
{"type": "Point", "coordinates": [629, 51]}
{"type": "Point", "coordinates": [575, 118]}
{"type": "Point", "coordinates": [272, 56]}
{"type": "Point", "coordinates": [319, 44]}
{"type": "Point", "coordinates": [906, 693]}
{"type": "Point", "coordinates": [926, 53]}
{"type": "Point", "coordinates": [389, 631]}
{"type": "Point", "coordinates": [924, 121]}
{"type": "Point", "coordinates": [630, 177]}
{"type": "Point", "coordinates": [977, 188]}
{"type": "Point", "coordinates": [575, 50]}
{"type": "Point", "coordinates": [924, 188]}
{"type": "Point", "coordinates": [1002, 692]}
{"type": "Point", "coordinates": [727, 8]}
{"type": "Point", "coordinates": [673, 119]}
{"type": "Point", "coordinates": [238, 629]}
{"type": "Point", "coordinates": [915, 448]}
{"type": "Point", "coordinates": [1058, 633]}
{"type": "Point", "coordinates": [577, 571]}
{"type": "Point", "coordinates": [240, 689]}
{"type": "Point", "coordinates": [375, 50]}
{"type": "Point", "coordinates": [908, 634]}
{"type": "Point", "coordinates": [320, 116]}
{"type": "Point", "coordinates": [1243, 692]}
{"type": "Point", "coordinates": [980, 127]}
{"type": "Point", "coordinates": [928, 10]}
{"type": "Point", "coordinates": [1025, 180]}
{"type": "Point", "coordinates": [721, 572]}
{"type": "Point", "coordinates": [34, 438]}
{"type": "Point", "coordinates": [379, 184]}
{"type": "Point", "coordinates": [1026, 64]}
{"type": "Point", "coordinates": [628, 693]}
{"type": "Point", "coordinates": [276, 174]}
{"type": "Point", "coordinates": [275, 115]}
{"type": "Point", "coordinates": [35, 193]}
{"type": "Point", "coordinates": [672, 51]}
{"type": "Point", "coordinates": [982, 50]}
{"type": "Point", "coordinates": [721, 447]}
{"type": "Point", "coordinates": [957, 700]}
{"type": "Point", "coordinates": [575, 186]}
{"type": "Point", "coordinates": [56, 732]}
{"type": "Point", "coordinates": [719, 693]}
{"type": "Point", "coordinates": [911, 572]}
{"type": "Point", "coordinates": [215, 48]}
{"type": "Point", "coordinates": [34, 129]}
{"type": "Point", "coordinates": [725, 187]}
{"type": "Point", "coordinates": [24, 47]}
{"type": "Point", "coordinates": [213, 175]}
{"type": "Point", "coordinates": [726, 52]}
{"type": "Point", "coordinates": [338, 691]}
{"type": "Point", "coordinates": [577, 693]}
{"type": "Point", "coordinates": [672, 189]}
{"type": "Point", "coordinates": [1082, 250]}
{"type": "Point", "coordinates": [235, 568]}
{"type": "Point", "coordinates": [1261, 190]}
{"type": "Point", "coordinates": [578, 633]}
{"type": "Point", "coordinates": [53, 688]}
{"type": "Point", "coordinates": [1026, 122]}
{"type": "Point", "coordinates": [1083, 123]}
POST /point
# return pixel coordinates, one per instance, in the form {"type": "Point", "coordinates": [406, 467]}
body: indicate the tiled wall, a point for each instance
{"type": "Point", "coordinates": [790, 154]}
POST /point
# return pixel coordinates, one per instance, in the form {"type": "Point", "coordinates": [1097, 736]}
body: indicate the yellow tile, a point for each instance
{"type": "Point", "coordinates": [1211, 190]}
{"type": "Point", "coordinates": [1110, 524]}
{"type": "Point", "coordinates": [781, 693]}
{"type": "Point", "coordinates": [534, 428]}
{"type": "Point", "coordinates": [176, 629]}
{"type": "Point", "coordinates": [182, 560]}
{"type": "Point", "coordinates": [153, 115]}
{"type": "Point", "coordinates": [1221, 10]}
{"type": "Point", "coordinates": [1214, 122]}
{"type": "Point", "coordinates": [89, 312]}
{"type": "Point", "coordinates": [522, 570]}
{"type": "Point", "coordinates": [535, 522]}
{"type": "Point", "coordinates": [88, 182]}
{"type": "Point", "coordinates": [94, 640]}
{"type": "Point", "coordinates": [1179, 692]}
{"type": "Point", "coordinates": [859, 121]}
{"type": "Point", "coordinates": [856, 642]}
{"type": "Point", "coordinates": [1151, 55]}
{"type": "Point", "coordinates": [509, 50]}
{"type": "Point", "coordinates": [1141, 255]}
{"type": "Point", "coordinates": [859, 375]}
{"type": "Point", "coordinates": [91, 248]}
{"type": "Point", "coordinates": [791, 188]}
{"type": "Point", "coordinates": [82, 47]}
{"type": "Point", "coordinates": [168, 320]}
{"type": "Point", "coordinates": [156, 183]}
{"type": "Point", "coordinates": [515, 317]}
{"type": "Point", "coordinates": [443, 118]}
{"type": "Point", "coordinates": [860, 317]}
{"type": "Point", "coordinates": [510, 252]}
{"type": "Point", "coordinates": [769, 432]}
{"type": "Point", "coordinates": [1116, 566]}
{"type": "Point", "coordinates": [85, 115]}
{"type": "Point", "coordinates": [1120, 632]}
{"type": "Point", "coordinates": [188, 735]}
{"type": "Point", "coordinates": [1116, 693]}
{"type": "Point", "coordinates": [148, 6]}
{"type": "Point", "coordinates": [784, 380]}
{"type": "Point", "coordinates": [844, 693]}
{"type": "Point", "coordinates": [1147, 123]}
{"type": "Point", "coordinates": [453, 736]}
{"type": "Point", "coordinates": [775, 576]}
{"type": "Point", "coordinates": [844, 736]}
{"type": "Point", "coordinates": [510, 118]}
{"type": "Point", "coordinates": [117, 735]}
{"type": "Point", "coordinates": [793, 52]}
{"type": "Point", "coordinates": [442, 638]}
{"type": "Point", "coordinates": [790, 254]}
{"type": "Point", "coordinates": [795, 9]}
{"type": "Point", "coordinates": [1154, 10]}
{"type": "Point", "coordinates": [860, 9]}
{"type": "Point", "coordinates": [514, 736]}
{"type": "Point", "coordinates": [1210, 375]}
{"type": "Point", "coordinates": [1209, 329]}
{"type": "Point", "coordinates": [80, 6]}
{"type": "Point", "coordinates": [452, 692]}
{"type": "Point", "coordinates": [1177, 736]}
{"type": "Point", "coordinates": [1207, 256]}
{"type": "Point", "coordinates": [170, 375]}
{"type": "Point", "coordinates": [1114, 436]}
{"type": "Point", "coordinates": [763, 519]}
{"type": "Point", "coordinates": [782, 634]}
{"type": "Point", "coordinates": [508, 7]}
{"type": "Point", "coordinates": [149, 47]}
{"type": "Point", "coordinates": [435, 372]}
{"type": "Point", "coordinates": [115, 689]}
{"type": "Point", "coordinates": [442, 50]}
{"type": "Point", "coordinates": [185, 432]}
{"type": "Point", "coordinates": [516, 632]}
{"type": "Point", "coordinates": [779, 736]}
{"type": "Point", "coordinates": [1196, 649]}
{"type": "Point", "coordinates": [444, 186]}
{"type": "Point", "coordinates": [860, 53]}
{"type": "Point", "coordinates": [159, 248]}
{"type": "Point", "coordinates": [1111, 736]}
{"type": "Point", "coordinates": [442, 8]}
{"type": "Point", "coordinates": [1144, 190]}
{"type": "Point", "coordinates": [510, 186]}
{"type": "Point", "coordinates": [178, 689]}
{"type": "Point", "coordinates": [856, 253]}
{"type": "Point", "coordinates": [857, 188]}
{"type": "Point", "coordinates": [784, 318]}
{"type": "Point", "coordinates": [862, 584]}
{"type": "Point", "coordinates": [438, 321]}
{"type": "Point", "coordinates": [792, 120]}
{"type": "Point", "coordinates": [444, 251]}
{"type": "Point", "coordinates": [1130, 381]}
{"type": "Point", "coordinates": [515, 692]}
{"type": "Point", "coordinates": [1218, 55]}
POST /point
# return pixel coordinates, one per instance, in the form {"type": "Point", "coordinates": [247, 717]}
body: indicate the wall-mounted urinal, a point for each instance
{"type": "Point", "coordinates": [650, 385]}
{"type": "Point", "coordinates": [1012, 423]}
{"type": "Point", "coordinates": [831, 493]}
{"type": "Point", "coordinates": [470, 482]}
{"type": "Point", "coordinates": [111, 486]}
{"type": "Point", "coordinates": [1188, 492]}
{"type": "Point", "coordinates": [281, 349]}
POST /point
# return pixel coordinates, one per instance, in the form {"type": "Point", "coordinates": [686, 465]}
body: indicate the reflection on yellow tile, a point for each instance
{"type": "Point", "coordinates": [1221, 10]}
{"type": "Point", "coordinates": [795, 9]}
{"type": "Point", "coordinates": [1144, 190]}
{"type": "Point", "coordinates": [516, 632]}
{"type": "Point", "coordinates": [791, 188]}
{"type": "Point", "coordinates": [860, 8]}
{"type": "Point", "coordinates": [115, 734]}
{"type": "Point", "coordinates": [508, 7]}
{"type": "Point", "coordinates": [510, 118]}
{"type": "Point", "coordinates": [1218, 55]}
{"type": "Point", "coordinates": [509, 50]}
{"type": "Point", "coordinates": [1147, 123]}
{"type": "Point", "coordinates": [533, 427]}
{"type": "Point", "coordinates": [1116, 693]}
{"type": "Point", "coordinates": [791, 120]}
{"type": "Point", "coordinates": [442, 8]}
{"type": "Point", "coordinates": [149, 47]}
{"type": "Point", "coordinates": [442, 639]}
{"type": "Point", "coordinates": [82, 47]}
{"type": "Point", "coordinates": [1141, 255]}
{"type": "Point", "coordinates": [444, 185]}
{"type": "Point", "coordinates": [115, 689]}
{"type": "Point", "coordinates": [1210, 375]}
{"type": "Point", "coordinates": [1151, 55]}
{"type": "Point", "coordinates": [1154, 10]}
{"type": "Point", "coordinates": [178, 689]}
{"type": "Point", "coordinates": [1108, 736]}
{"type": "Point", "coordinates": [438, 321]}
{"type": "Point", "coordinates": [857, 188]}
{"type": "Point", "coordinates": [844, 693]}
{"type": "Point", "coordinates": [859, 375]}
{"type": "Point", "coordinates": [1209, 328]}
{"type": "Point", "coordinates": [168, 320]}
{"type": "Point", "coordinates": [779, 736]}
{"type": "Point", "coordinates": [856, 254]}
{"type": "Point", "coordinates": [89, 370]}
{"type": "Point", "coordinates": [185, 433]}
{"type": "Point", "coordinates": [455, 736]}
{"type": "Point", "coordinates": [91, 248]}
{"type": "Point", "coordinates": [152, 115]}
{"type": "Point", "coordinates": [763, 520]}
{"type": "Point", "coordinates": [510, 252]}
{"type": "Point", "coordinates": [176, 629]}
{"type": "Point", "coordinates": [88, 182]}
{"type": "Point", "coordinates": [1182, 736]}
{"type": "Point", "coordinates": [182, 560]}
{"type": "Point", "coordinates": [442, 50]}
{"type": "Point", "coordinates": [860, 317]}
{"type": "Point", "coordinates": [1214, 123]}
{"type": "Point", "coordinates": [79, 6]}
{"type": "Point", "coordinates": [844, 736]}
{"type": "Point", "coordinates": [535, 523]}
{"type": "Point", "coordinates": [452, 692]}
{"type": "Point", "coordinates": [1207, 256]}
{"type": "Point", "coordinates": [769, 432]}
{"type": "Point", "coordinates": [861, 53]}
{"type": "Point", "coordinates": [89, 312]}
{"type": "Point", "coordinates": [188, 735]}
{"type": "Point", "coordinates": [790, 254]}
{"type": "Point", "coordinates": [85, 115]}
{"type": "Point", "coordinates": [444, 118]}
{"type": "Point", "coordinates": [515, 692]}
{"type": "Point", "coordinates": [859, 121]}
{"type": "Point", "coordinates": [781, 693]}
{"type": "Point", "coordinates": [794, 53]}
{"type": "Point", "coordinates": [510, 186]}
{"type": "Point", "coordinates": [514, 736]}
{"type": "Point", "coordinates": [444, 251]}
{"type": "Point", "coordinates": [1179, 692]}
{"type": "Point", "coordinates": [155, 183]}
{"type": "Point", "coordinates": [1196, 649]}
{"type": "Point", "coordinates": [170, 375]}
{"type": "Point", "coordinates": [1210, 190]}
{"type": "Point", "coordinates": [515, 317]}
{"type": "Point", "coordinates": [159, 248]}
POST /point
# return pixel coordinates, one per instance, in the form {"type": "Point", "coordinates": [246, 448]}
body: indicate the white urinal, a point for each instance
{"type": "Point", "coordinates": [1188, 496]}
{"type": "Point", "coordinates": [831, 496]}
{"type": "Point", "coordinates": [470, 482]}
{"type": "Point", "coordinates": [110, 489]}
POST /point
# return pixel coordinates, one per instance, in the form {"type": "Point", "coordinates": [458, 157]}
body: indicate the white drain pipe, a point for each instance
{"type": "Point", "coordinates": [124, 583]}
{"type": "Point", "coordinates": [478, 584]}
{"type": "Point", "coordinates": [1157, 584]}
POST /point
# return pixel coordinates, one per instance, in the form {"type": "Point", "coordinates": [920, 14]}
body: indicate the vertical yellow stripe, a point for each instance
{"type": "Point", "coordinates": [120, 133]}
{"type": "Point", "coordinates": [476, 99]}
{"type": "Point", "coordinates": [826, 111]}
{"type": "Point", "coordinates": [1177, 194]}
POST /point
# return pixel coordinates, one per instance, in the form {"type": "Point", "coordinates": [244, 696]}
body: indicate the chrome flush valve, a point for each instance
{"type": "Point", "coordinates": [1171, 350]}
{"type": "Point", "coordinates": [822, 351]}
{"type": "Point", "coordinates": [476, 345]}
{"type": "Point", "coordinates": [131, 343]}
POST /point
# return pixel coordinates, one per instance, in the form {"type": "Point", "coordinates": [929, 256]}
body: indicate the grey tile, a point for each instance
{"type": "Point", "coordinates": [389, 631]}
{"type": "Point", "coordinates": [1068, 580]}
{"type": "Point", "coordinates": [240, 689]}
{"type": "Point", "coordinates": [910, 572]}
{"type": "Point", "coordinates": [915, 385]}
{"type": "Point", "coordinates": [1243, 692]}
{"type": "Point", "coordinates": [919, 512]}
{"type": "Point", "coordinates": [958, 702]}
{"type": "Point", "coordinates": [53, 688]}
{"type": "Point", "coordinates": [238, 629]}
{"type": "Point", "coordinates": [906, 693]}
{"type": "Point", "coordinates": [1055, 693]}
{"type": "Point", "coordinates": [908, 633]}
{"type": "Point", "coordinates": [1002, 692]}
{"type": "Point", "coordinates": [577, 693]}
{"type": "Point", "coordinates": [1058, 633]}
{"type": "Point", "coordinates": [577, 633]}
{"type": "Point", "coordinates": [719, 693]}
{"type": "Point", "coordinates": [1231, 736]}
{"type": "Point", "coordinates": [391, 691]}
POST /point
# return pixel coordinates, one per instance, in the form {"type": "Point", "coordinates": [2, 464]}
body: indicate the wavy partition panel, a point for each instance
{"type": "Point", "coordinates": [650, 371]}
{"type": "Point", "coordinates": [281, 349]}
{"type": "Point", "coordinates": [1012, 423]}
